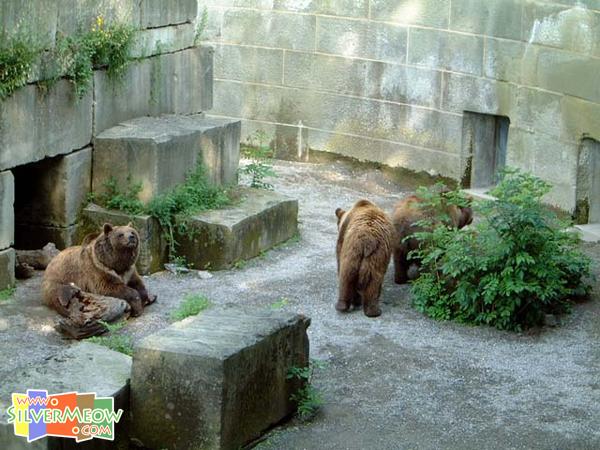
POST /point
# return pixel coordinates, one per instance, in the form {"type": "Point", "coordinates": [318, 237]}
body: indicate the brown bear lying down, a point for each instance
{"type": "Point", "coordinates": [406, 214]}
{"type": "Point", "coordinates": [89, 282]}
{"type": "Point", "coordinates": [364, 248]}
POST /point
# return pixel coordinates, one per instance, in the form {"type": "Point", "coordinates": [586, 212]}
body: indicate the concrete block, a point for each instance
{"type": "Point", "coordinates": [82, 367]}
{"type": "Point", "coordinates": [578, 118]}
{"type": "Point", "coordinates": [34, 236]}
{"type": "Point", "coordinates": [153, 86]}
{"type": "Point", "coordinates": [390, 82]}
{"type": "Point", "coordinates": [430, 13]}
{"type": "Point", "coordinates": [161, 151]}
{"type": "Point", "coordinates": [153, 246]}
{"type": "Point", "coordinates": [518, 152]}
{"type": "Point", "coordinates": [156, 41]}
{"type": "Point", "coordinates": [347, 8]}
{"type": "Point", "coordinates": [159, 13]}
{"type": "Point", "coordinates": [539, 111]}
{"type": "Point", "coordinates": [53, 191]}
{"type": "Point", "coordinates": [251, 64]}
{"type": "Point", "coordinates": [218, 378]}
{"type": "Point", "coordinates": [443, 50]}
{"type": "Point", "coordinates": [588, 233]}
{"type": "Point", "coordinates": [30, 131]}
{"type": "Point", "coordinates": [33, 16]}
{"type": "Point", "coordinates": [269, 29]}
{"type": "Point", "coordinates": [464, 93]}
{"type": "Point", "coordinates": [217, 239]}
{"type": "Point", "coordinates": [555, 161]}
{"type": "Point", "coordinates": [500, 18]}
{"type": "Point", "coordinates": [78, 15]}
{"type": "Point", "coordinates": [505, 60]}
{"type": "Point", "coordinates": [7, 269]}
{"type": "Point", "coordinates": [7, 216]}
{"type": "Point", "coordinates": [382, 42]}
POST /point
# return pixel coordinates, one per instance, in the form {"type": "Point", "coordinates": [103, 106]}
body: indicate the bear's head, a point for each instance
{"type": "Point", "coordinates": [339, 214]}
{"type": "Point", "coordinates": [121, 237]}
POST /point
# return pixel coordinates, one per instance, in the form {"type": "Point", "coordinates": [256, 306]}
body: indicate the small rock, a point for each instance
{"type": "Point", "coordinates": [550, 320]}
{"type": "Point", "coordinates": [203, 274]}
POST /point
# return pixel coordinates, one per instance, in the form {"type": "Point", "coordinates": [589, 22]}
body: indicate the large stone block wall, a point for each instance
{"type": "Point", "coordinates": [389, 80]}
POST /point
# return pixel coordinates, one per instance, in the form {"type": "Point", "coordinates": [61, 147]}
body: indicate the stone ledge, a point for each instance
{"type": "Point", "coordinates": [217, 239]}
{"type": "Point", "coordinates": [7, 268]}
{"type": "Point", "coordinates": [219, 378]}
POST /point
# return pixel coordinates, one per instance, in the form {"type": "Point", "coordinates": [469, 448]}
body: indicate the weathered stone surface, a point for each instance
{"type": "Point", "coordinates": [538, 111]}
{"type": "Point", "coordinates": [504, 60]}
{"type": "Point", "coordinates": [159, 13]}
{"type": "Point", "coordinates": [155, 86]}
{"type": "Point", "coordinates": [53, 191]}
{"type": "Point", "coordinates": [156, 41]}
{"type": "Point", "coordinates": [383, 42]}
{"type": "Point", "coordinates": [588, 182]}
{"type": "Point", "coordinates": [430, 13]}
{"type": "Point", "coordinates": [77, 15]}
{"type": "Point", "coordinates": [217, 239]}
{"type": "Point", "coordinates": [161, 151]}
{"type": "Point", "coordinates": [153, 246]}
{"type": "Point", "coordinates": [7, 268]}
{"type": "Point", "coordinates": [501, 18]}
{"type": "Point", "coordinates": [443, 50]}
{"type": "Point", "coordinates": [7, 217]}
{"type": "Point", "coordinates": [81, 367]}
{"type": "Point", "coordinates": [259, 65]}
{"type": "Point", "coordinates": [579, 118]}
{"type": "Point", "coordinates": [464, 93]}
{"type": "Point", "coordinates": [33, 16]}
{"type": "Point", "coordinates": [33, 236]}
{"type": "Point", "coordinates": [35, 124]}
{"type": "Point", "coordinates": [291, 143]}
{"type": "Point", "coordinates": [219, 379]}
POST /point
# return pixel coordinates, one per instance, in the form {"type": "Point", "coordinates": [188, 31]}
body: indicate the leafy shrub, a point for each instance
{"type": "Point", "coordinates": [17, 54]}
{"type": "Point", "coordinates": [122, 343]}
{"type": "Point", "coordinates": [7, 293]}
{"type": "Point", "coordinates": [122, 199]}
{"type": "Point", "coordinates": [260, 168]}
{"type": "Point", "coordinates": [308, 398]}
{"type": "Point", "coordinates": [516, 265]}
{"type": "Point", "coordinates": [192, 305]}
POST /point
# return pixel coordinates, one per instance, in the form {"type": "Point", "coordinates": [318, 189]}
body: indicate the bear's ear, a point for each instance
{"type": "Point", "coordinates": [339, 213]}
{"type": "Point", "coordinates": [107, 228]}
{"type": "Point", "coordinates": [130, 225]}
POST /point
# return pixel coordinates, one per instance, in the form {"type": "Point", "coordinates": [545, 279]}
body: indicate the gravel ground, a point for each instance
{"type": "Point", "coordinates": [398, 381]}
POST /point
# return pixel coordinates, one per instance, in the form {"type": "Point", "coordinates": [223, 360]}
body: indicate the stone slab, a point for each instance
{"type": "Point", "coordinates": [159, 13]}
{"type": "Point", "coordinates": [81, 367]}
{"type": "Point", "coordinates": [156, 41]}
{"type": "Point", "coordinates": [589, 232]}
{"type": "Point", "coordinates": [159, 152]}
{"type": "Point", "coordinates": [30, 131]}
{"type": "Point", "coordinates": [219, 378]}
{"type": "Point", "coordinates": [34, 237]}
{"type": "Point", "coordinates": [53, 191]}
{"type": "Point", "coordinates": [153, 86]}
{"type": "Point", "coordinates": [7, 217]}
{"type": "Point", "coordinates": [153, 250]}
{"type": "Point", "coordinates": [7, 268]}
{"type": "Point", "coordinates": [219, 238]}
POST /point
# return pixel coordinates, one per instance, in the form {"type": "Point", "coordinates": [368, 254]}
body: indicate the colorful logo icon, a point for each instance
{"type": "Point", "coordinates": [82, 417]}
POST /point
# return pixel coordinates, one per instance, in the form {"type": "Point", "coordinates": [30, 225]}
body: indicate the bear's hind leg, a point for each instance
{"type": "Point", "coordinates": [371, 297]}
{"type": "Point", "coordinates": [400, 265]}
{"type": "Point", "coordinates": [346, 296]}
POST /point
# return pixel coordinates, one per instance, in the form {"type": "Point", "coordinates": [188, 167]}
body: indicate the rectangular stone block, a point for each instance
{"type": "Point", "coordinates": [579, 117]}
{"type": "Point", "coordinates": [443, 50]}
{"type": "Point", "coordinates": [382, 42]}
{"type": "Point", "coordinates": [154, 86]}
{"type": "Point", "coordinates": [430, 13]}
{"type": "Point", "coordinates": [269, 29]}
{"type": "Point", "coordinates": [153, 245]}
{"type": "Point", "coordinates": [500, 18]}
{"type": "Point", "coordinates": [7, 268]}
{"type": "Point", "coordinates": [160, 152]}
{"type": "Point", "coordinates": [80, 367]}
{"type": "Point", "coordinates": [33, 16]}
{"type": "Point", "coordinates": [77, 15]}
{"type": "Point", "coordinates": [464, 93]}
{"type": "Point", "coordinates": [156, 41]}
{"type": "Point", "coordinates": [30, 131]}
{"type": "Point", "coordinates": [53, 191]}
{"type": "Point", "coordinates": [34, 237]}
{"type": "Point", "coordinates": [539, 111]}
{"type": "Point", "coordinates": [159, 13]}
{"type": "Point", "coordinates": [220, 378]}
{"type": "Point", "coordinates": [217, 239]}
{"type": "Point", "coordinates": [371, 79]}
{"type": "Point", "coordinates": [7, 216]}
{"type": "Point", "coordinates": [505, 60]}
{"type": "Point", "coordinates": [291, 143]}
{"type": "Point", "coordinates": [257, 65]}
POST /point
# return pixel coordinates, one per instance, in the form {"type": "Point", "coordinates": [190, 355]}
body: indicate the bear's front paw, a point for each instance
{"type": "Point", "coordinates": [373, 311]}
{"type": "Point", "coordinates": [342, 306]}
{"type": "Point", "coordinates": [150, 299]}
{"type": "Point", "coordinates": [136, 306]}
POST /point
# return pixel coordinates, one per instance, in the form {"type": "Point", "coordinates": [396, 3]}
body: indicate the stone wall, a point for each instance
{"type": "Point", "coordinates": [389, 80]}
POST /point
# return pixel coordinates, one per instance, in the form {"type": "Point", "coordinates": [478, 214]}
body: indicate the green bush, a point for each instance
{"type": "Point", "coordinates": [517, 264]}
{"type": "Point", "coordinates": [307, 398]}
{"type": "Point", "coordinates": [260, 154]}
{"type": "Point", "coordinates": [17, 54]}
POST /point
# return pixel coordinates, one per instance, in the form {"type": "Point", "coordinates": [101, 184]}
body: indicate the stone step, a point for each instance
{"type": "Point", "coordinates": [160, 151]}
{"type": "Point", "coordinates": [217, 239]}
{"type": "Point", "coordinates": [83, 368]}
{"type": "Point", "coordinates": [217, 380]}
{"type": "Point", "coordinates": [589, 232]}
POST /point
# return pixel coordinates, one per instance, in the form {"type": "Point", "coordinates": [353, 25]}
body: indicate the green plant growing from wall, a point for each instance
{"type": "Point", "coordinates": [308, 398]}
{"type": "Point", "coordinates": [516, 265]}
{"type": "Point", "coordinates": [201, 26]}
{"type": "Point", "coordinates": [17, 55]}
{"type": "Point", "coordinates": [124, 199]}
{"type": "Point", "coordinates": [260, 154]}
{"type": "Point", "coordinates": [7, 293]}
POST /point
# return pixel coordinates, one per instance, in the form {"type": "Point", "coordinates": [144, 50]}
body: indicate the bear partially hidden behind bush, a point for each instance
{"type": "Point", "coordinates": [89, 282]}
{"type": "Point", "coordinates": [364, 249]}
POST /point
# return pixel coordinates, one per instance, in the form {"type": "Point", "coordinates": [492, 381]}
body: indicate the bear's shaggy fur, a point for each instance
{"type": "Point", "coordinates": [406, 214]}
{"type": "Point", "coordinates": [364, 248]}
{"type": "Point", "coordinates": [102, 265]}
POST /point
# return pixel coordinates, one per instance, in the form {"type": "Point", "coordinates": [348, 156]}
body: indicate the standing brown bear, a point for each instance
{"type": "Point", "coordinates": [103, 265]}
{"type": "Point", "coordinates": [407, 213]}
{"type": "Point", "coordinates": [364, 249]}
